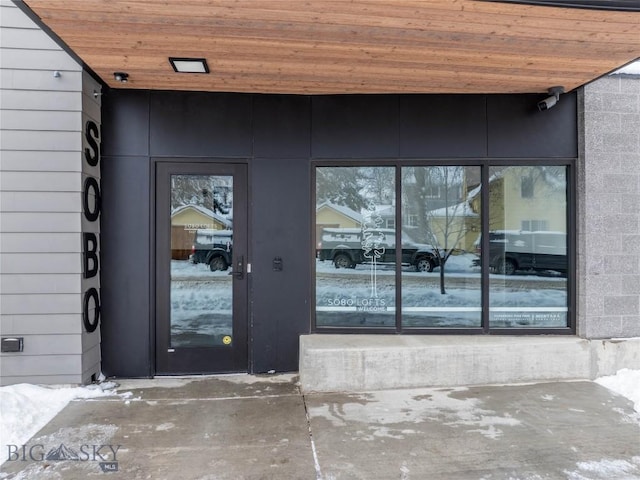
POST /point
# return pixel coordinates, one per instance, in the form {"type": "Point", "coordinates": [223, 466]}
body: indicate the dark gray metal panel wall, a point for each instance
{"type": "Point", "coordinates": [280, 299]}
{"type": "Point", "coordinates": [354, 126]}
{"type": "Point", "coordinates": [124, 239]}
{"type": "Point", "coordinates": [279, 195]}
{"type": "Point", "coordinates": [443, 126]}
{"type": "Point", "coordinates": [281, 126]}
{"type": "Point", "coordinates": [125, 122]}
{"type": "Point", "coordinates": [279, 136]}
{"type": "Point", "coordinates": [124, 267]}
{"type": "Point", "coordinates": [196, 124]}
{"type": "Point", "coordinates": [518, 129]}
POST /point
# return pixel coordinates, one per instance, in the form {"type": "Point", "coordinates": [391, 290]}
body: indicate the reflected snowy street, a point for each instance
{"type": "Point", "coordinates": [201, 305]}
{"type": "Point", "coordinates": [524, 299]}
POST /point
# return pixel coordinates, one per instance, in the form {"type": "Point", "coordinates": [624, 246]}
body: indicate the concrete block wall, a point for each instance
{"type": "Point", "coordinates": [42, 123]}
{"type": "Point", "coordinates": [609, 209]}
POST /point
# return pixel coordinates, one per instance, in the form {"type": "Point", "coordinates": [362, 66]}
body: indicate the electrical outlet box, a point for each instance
{"type": "Point", "coordinates": [12, 344]}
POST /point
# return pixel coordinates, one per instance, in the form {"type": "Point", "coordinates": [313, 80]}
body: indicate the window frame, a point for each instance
{"type": "Point", "coordinates": [485, 165]}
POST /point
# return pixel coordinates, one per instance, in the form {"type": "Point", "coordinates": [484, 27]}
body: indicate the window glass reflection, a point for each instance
{"type": "Point", "coordinates": [355, 246]}
{"type": "Point", "coordinates": [528, 246]}
{"type": "Point", "coordinates": [439, 264]}
{"type": "Point", "coordinates": [441, 221]}
{"type": "Point", "coordinates": [201, 250]}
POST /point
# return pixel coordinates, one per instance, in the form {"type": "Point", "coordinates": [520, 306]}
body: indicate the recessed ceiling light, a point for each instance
{"type": "Point", "coordinates": [189, 65]}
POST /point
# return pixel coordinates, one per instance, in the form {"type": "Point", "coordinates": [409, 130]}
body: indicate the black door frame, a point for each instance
{"type": "Point", "coordinates": [192, 360]}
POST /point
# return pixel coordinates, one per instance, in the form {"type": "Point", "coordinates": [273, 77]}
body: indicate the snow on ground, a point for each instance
{"type": "Point", "coordinates": [181, 381]}
{"type": "Point", "coordinates": [606, 469]}
{"type": "Point", "coordinates": [26, 408]}
{"type": "Point", "coordinates": [626, 383]}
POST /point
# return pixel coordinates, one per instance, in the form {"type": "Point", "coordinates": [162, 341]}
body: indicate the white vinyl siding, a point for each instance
{"type": "Point", "coordinates": [42, 121]}
{"type": "Point", "coordinates": [46, 283]}
{"type": "Point", "coordinates": [47, 324]}
{"type": "Point", "coordinates": [28, 161]}
{"type": "Point", "coordinates": [27, 243]}
{"type": "Point", "coordinates": [39, 263]}
{"type": "Point", "coordinates": [40, 222]}
{"type": "Point", "coordinates": [41, 201]}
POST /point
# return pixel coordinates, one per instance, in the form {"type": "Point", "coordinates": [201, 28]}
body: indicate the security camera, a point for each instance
{"type": "Point", "coordinates": [550, 101]}
{"type": "Point", "coordinates": [547, 103]}
{"type": "Point", "coordinates": [122, 77]}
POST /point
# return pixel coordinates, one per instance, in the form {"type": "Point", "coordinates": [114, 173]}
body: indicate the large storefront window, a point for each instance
{"type": "Point", "coordinates": [528, 246]}
{"type": "Point", "coordinates": [482, 247]}
{"type": "Point", "coordinates": [356, 247]}
{"type": "Point", "coordinates": [443, 290]}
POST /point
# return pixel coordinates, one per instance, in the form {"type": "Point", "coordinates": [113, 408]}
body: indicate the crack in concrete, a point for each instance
{"type": "Point", "coordinates": [316, 462]}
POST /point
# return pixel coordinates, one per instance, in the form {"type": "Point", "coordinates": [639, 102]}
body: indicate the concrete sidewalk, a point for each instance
{"type": "Point", "coordinates": [254, 427]}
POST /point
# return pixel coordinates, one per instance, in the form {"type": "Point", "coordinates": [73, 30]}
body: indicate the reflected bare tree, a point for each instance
{"type": "Point", "coordinates": [340, 185]}
{"type": "Point", "coordinates": [443, 228]}
{"type": "Point", "coordinates": [209, 191]}
{"type": "Point", "coordinates": [379, 184]}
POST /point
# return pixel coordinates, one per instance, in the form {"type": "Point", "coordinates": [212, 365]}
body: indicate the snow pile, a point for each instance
{"type": "Point", "coordinates": [626, 383]}
{"type": "Point", "coordinates": [25, 408]}
{"type": "Point", "coordinates": [630, 69]}
{"type": "Point", "coordinates": [606, 469]}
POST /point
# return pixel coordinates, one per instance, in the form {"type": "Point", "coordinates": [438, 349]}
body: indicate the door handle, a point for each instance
{"type": "Point", "coordinates": [238, 268]}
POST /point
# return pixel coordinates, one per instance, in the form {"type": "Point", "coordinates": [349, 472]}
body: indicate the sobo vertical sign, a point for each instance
{"type": "Point", "coordinates": [91, 210]}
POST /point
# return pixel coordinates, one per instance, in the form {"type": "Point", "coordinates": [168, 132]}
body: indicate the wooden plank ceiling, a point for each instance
{"type": "Point", "coordinates": [341, 46]}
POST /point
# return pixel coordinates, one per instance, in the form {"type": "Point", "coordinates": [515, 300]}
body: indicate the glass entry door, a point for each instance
{"type": "Point", "coordinates": [201, 268]}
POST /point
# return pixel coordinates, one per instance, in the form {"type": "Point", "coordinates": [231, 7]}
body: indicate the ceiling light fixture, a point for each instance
{"type": "Point", "coordinates": [122, 77]}
{"type": "Point", "coordinates": [189, 65]}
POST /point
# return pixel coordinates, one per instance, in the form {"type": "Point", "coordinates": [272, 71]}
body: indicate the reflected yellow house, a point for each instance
{"type": "Point", "coordinates": [195, 217]}
{"type": "Point", "coordinates": [527, 198]}
{"type": "Point", "coordinates": [456, 227]}
{"type": "Point", "coordinates": [522, 198]}
{"type": "Point", "coordinates": [186, 220]}
{"type": "Point", "coordinates": [330, 215]}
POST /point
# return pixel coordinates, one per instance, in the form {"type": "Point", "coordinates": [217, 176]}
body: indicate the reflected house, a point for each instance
{"type": "Point", "coordinates": [438, 192]}
{"type": "Point", "coordinates": [185, 220]}
{"type": "Point", "coordinates": [521, 198]}
{"type": "Point", "coordinates": [438, 221]}
{"type": "Point", "coordinates": [525, 198]}
{"type": "Point", "coordinates": [455, 227]}
{"type": "Point", "coordinates": [331, 215]}
{"type": "Point", "coordinates": [387, 214]}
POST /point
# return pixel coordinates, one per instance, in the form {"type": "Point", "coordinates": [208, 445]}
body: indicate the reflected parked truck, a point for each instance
{"type": "Point", "coordinates": [213, 247]}
{"type": "Point", "coordinates": [511, 251]}
{"type": "Point", "coordinates": [348, 247]}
